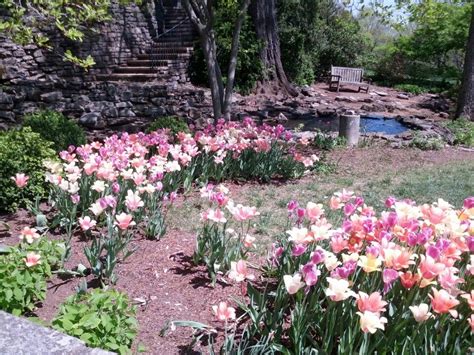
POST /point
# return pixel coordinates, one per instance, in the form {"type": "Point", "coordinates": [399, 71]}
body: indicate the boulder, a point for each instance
{"type": "Point", "coordinates": [92, 120]}
{"type": "Point", "coordinates": [51, 97]}
{"type": "Point", "coordinates": [21, 336]}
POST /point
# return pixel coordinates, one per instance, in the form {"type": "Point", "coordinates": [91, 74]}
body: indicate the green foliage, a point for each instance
{"type": "Point", "coordinates": [57, 128]}
{"type": "Point", "coordinates": [21, 287]}
{"type": "Point", "coordinates": [327, 142]}
{"type": "Point", "coordinates": [315, 35]}
{"type": "Point", "coordinates": [173, 123]}
{"type": "Point", "coordinates": [426, 143]}
{"type": "Point", "coordinates": [101, 319]}
{"type": "Point", "coordinates": [429, 50]}
{"type": "Point", "coordinates": [410, 88]}
{"type": "Point", "coordinates": [249, 66]}
{"type": "Point", "coordinates": [463, 130]}
{"type": "Point", "coordinates": [22, 151]}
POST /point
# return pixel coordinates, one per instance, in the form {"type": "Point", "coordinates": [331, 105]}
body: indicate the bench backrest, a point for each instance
{"type": "Point", "coordinates": [351, 75]}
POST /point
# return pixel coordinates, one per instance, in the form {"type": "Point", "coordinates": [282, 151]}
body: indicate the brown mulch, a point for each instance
{"type": "Point", "coordinates": [160, 275]}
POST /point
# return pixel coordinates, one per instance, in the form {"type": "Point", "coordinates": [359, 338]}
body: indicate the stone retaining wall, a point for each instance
{"type": "Point", "coordinates": [32, 78]}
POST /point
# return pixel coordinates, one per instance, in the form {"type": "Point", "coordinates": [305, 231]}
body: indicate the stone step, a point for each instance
{"type": "Point", "coordinates": [168, 44]}
{"type": "Point", "coordinates": [137, 77]}
{"type": "Point", "coordinates": [163, 56]}
{"type": "Point", "coordinates": [175, 39]}
{"type": "Point", "coordinates": [169, 50]}
{"type": "Point", "coordinates": [140, 70]}
{"type": "Point", "coordinates": [147, 63]}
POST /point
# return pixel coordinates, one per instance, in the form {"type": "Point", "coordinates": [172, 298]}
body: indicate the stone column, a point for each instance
{"type": "Point", "coordinates": [349, 128]}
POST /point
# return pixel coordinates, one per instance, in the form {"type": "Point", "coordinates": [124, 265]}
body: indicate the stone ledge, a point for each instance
{"type": "Point", "coordinates": [20, 336]}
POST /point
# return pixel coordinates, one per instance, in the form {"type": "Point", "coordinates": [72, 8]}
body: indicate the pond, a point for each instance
{"type": "Point", "coordinates": [368, 124]}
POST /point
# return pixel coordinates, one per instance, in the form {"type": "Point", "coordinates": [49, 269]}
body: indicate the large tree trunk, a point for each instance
{"type": "Point", "coordinates": [466, 95]}
{"type": "Point", "coordinates": [264, 17]}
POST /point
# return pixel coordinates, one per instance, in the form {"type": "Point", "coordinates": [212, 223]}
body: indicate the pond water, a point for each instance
{"type": "Point", "coordinates": [368, 124]}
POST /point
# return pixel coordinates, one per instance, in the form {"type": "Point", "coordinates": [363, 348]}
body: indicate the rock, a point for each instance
{"type": "Point", "coordinates": [306, 91]}
{"type": "Point", "coordinates": [326, 112]}
{"type": "Point", "coordinates": [21, 336]}
{"type": "Point", "coordinates": [7, 115]}
{"type": "Point", "coordinates": [375, 107]}
{"type": "Point", "coordinates": [6, 101]}
{"type": "Point", "coordinates": [51, 97]}
{"type": "Point", "coordinates": [346, 98]}
{"type": "Point", "coordinates": [126, 112]}
{"type": "Point", "coordinates": [92, 120]}
{"type": "Point", "coordinates": [381, 93]}
{"type": "Point", "coordinates": [403, 96]}
{"type": "Point", "coordinates": [444, 115]}
{"type": "Point", "coordinates": [436, 104]}
{"type": "Point", "coordinates": [281, 118]}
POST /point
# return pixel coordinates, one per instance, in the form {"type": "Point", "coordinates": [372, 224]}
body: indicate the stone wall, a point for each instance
{"type": "Point", "coordinates": [32, 78]}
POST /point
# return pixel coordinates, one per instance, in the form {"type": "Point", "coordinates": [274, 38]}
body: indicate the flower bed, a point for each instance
{"type": "Point", "coordinates": [395, 282]}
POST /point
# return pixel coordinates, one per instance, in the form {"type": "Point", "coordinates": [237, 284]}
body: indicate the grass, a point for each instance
{"type": "Point", "coordinates": [452, 182]}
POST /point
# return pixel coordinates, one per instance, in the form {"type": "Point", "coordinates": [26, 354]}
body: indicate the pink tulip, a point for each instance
{"type": "Point", "coordinates": [314, 211]}
{"type": "Point", "coordinates": [429, 268]}
{"type": "Point", "coordinates": [123, 221]}
{"type": "Point", "coordinates": [373, 303]}
{"type": "Point", "coordinates": [224, 312]}
{"type": "Point", "coordinates": [32, 259]}
{"type": "Point", "coordinates": [470, 320]}
{"type": "Point", "coordinates": [87, 223]}
{"type": "Point", "coordinates": [29, 234]}
{"type": "Point", "coordinates": [442, 302]}
{"type": "Point", "coordinates": [133, 201]}
{"type": "Point", "coordinates": [239, 272]}
{"type": "Point", "coordinates": [20, 180]}
{"type": "Point", "coordinates": [469, 203]}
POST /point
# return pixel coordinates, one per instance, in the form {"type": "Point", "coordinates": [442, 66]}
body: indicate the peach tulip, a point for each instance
{"type": "Point", "coordinates": [87, 223]}
{"type": "Point", "coordinates": [370, 322]}
{"type": "Point", "coordinates": [293, 283]}
{"type": "Point", "coordinates": [442, 302]}
{"type": "Point", "coordinates": [470, 299]}
{"type": "Point", "coordinates": [123, 221]}
{"type": "Point", "coordinates": [32, 259]}
{"type": "Point", "coordinates": [338, 289]}
{"type": "Point", "coordinates": [429, 268]}
{"type": "Point", "coordinates": [239, 272]}
{"type": "Point", "coordinates": [314, 211]}
{"type": "Point", "coordinates": [29, 234]}
{"type": "Point", "coordinates": [223, 312]}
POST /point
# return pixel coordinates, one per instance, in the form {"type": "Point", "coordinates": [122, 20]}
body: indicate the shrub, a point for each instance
{"type": "Point", "coordinates": [410, 88]}
{"type": "Point", "coordinates": [101, 319]}
{"type": "Point", "coordinates": [22, 151]}
{"type": "Point", "coordinates": [173, 123]}
{"type": "Point", "coordinates": [57, 128]}
{"type": "Point", "coordinates": [22, 286]}
{"type": "Point", "coordinates": [463, 131]}
{"type": "Point", "coordinates": [327, 142]}
{"type": "Point", "coordinates": [426, 143]}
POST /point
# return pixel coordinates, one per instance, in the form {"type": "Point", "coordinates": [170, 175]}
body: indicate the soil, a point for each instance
{"type": "Point", "coordinates": [160, 277]}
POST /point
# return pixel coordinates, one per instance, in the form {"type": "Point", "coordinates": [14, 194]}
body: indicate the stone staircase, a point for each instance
{"type": "Point", "coordinates": [166, 60]}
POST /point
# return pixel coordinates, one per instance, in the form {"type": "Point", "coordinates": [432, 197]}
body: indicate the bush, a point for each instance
{"type": "Point", "coordinates": [101, 319]}
{"type": "Point", "coordinates": [463, 131]}
{"type": "Point", "coordinates": [55, 127]}
{"type": "Point", "coordinates": [173, 123]}
{"type": "Point", "coordinates": [410, 88]}
{"type": "Point", "coordinates": [21, 286]}
{"type": "Point", "coordinates": [327, 142]}
{"type": "Point", "coordinates": [22, 151]}
{"type": "Point", "coordinates": [427, 143]}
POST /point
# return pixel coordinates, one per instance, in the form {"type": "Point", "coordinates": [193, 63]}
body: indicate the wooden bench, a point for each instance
{"type": "Point", "coordinates": [342, 75]}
